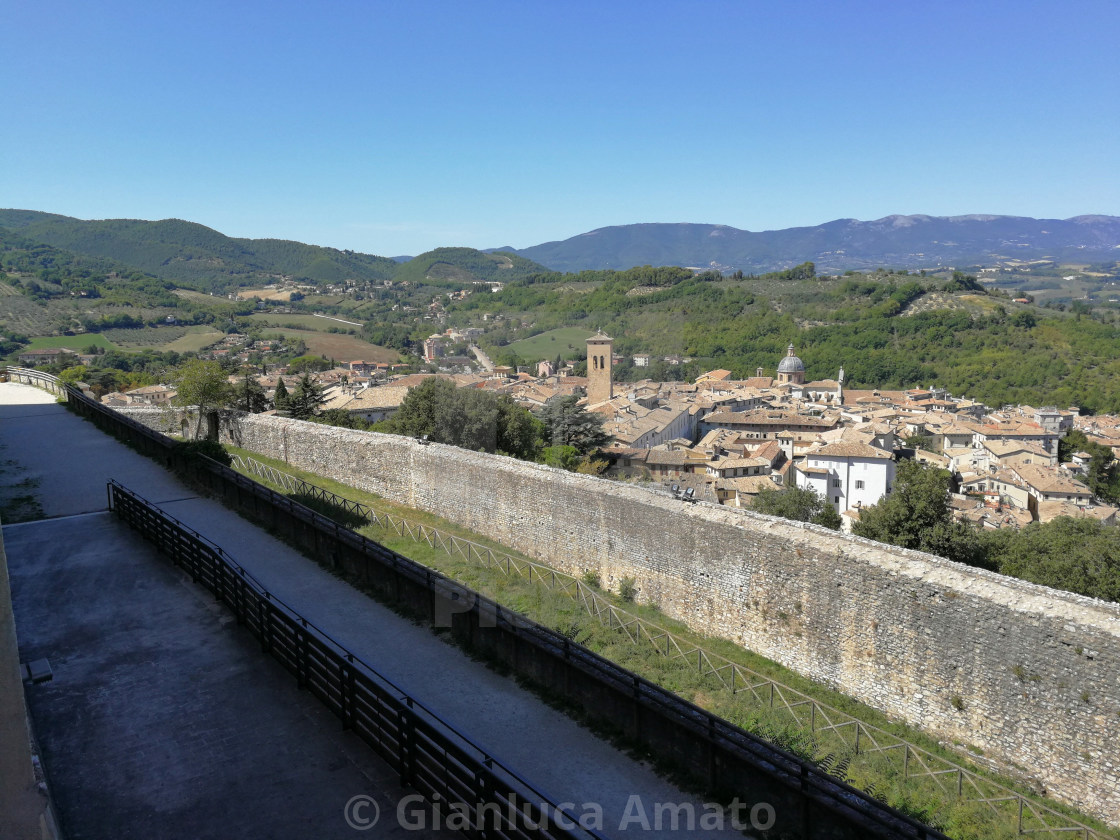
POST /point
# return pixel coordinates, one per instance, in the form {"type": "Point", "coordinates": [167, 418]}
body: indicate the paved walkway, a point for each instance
{"type": "Point", "coordinates": [73, 461]}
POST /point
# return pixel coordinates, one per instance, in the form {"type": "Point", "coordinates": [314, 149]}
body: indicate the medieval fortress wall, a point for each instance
{"type": "Point", "coordinates": [1029, 675]}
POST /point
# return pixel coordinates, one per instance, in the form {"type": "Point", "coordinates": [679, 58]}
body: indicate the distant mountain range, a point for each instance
{"type": "Point", "coordinates": [894, 241]}
{"type": "Point", "coordinates": [193, 255]}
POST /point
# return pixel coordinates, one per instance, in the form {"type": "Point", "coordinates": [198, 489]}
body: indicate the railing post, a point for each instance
{"type": "Point", "coordinates": [407, 725]}
{"type": "Point", "coordinates": [264, 618]}
{"type": "Point", "coordinates": [301, 654]}
{"type": "Point", "coordinates": [347, 685]}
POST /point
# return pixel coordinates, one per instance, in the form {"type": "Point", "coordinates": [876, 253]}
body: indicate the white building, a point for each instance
{"type": "Point", "coordinates": [848, 474]}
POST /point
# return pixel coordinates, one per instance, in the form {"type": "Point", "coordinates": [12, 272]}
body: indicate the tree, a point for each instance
{"type": "Point", "coordinates": [920, 442]}
{"type": "Point", "coordinates": [1077, 555]}
{"type": "Point", "coordinates": [467, 417]}
{"type": "Point", "coordinates": [280, 395]}
{"type": "Point", "coordinates": [74, 375]}
{"type": "Point", "coordinates": [306, 399]}
{"type": "Point", "coordinates": [251, 397]}
{"type": "Point", "coordinates": [341, 417]}
{"type": "Point", "coordinates": [203, 384]}
{"type": "Point", "coordinates": [562, 457]}
{"type": "Point", "coordinates": [801, 504]}
{"type": "Point", "coordinates": [519, 432]}
{"type": "Point", "coordinates": [428, 409]}
{"type": "Point", "coordinates": [566, 423]}
{"type": "Point", "coordinates": [304, 364]}
{"type": "Point", "coordinates": [1102, 475]}
{"type": "Point", "coordinates": [917, 515]}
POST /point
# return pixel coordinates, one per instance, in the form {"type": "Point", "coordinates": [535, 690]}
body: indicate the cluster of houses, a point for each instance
{"type": "Point", "coordinates": [728, 439]}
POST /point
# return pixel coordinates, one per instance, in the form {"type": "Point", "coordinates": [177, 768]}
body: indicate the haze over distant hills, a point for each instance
{"type": "Point", "coordinates": [897, 241]}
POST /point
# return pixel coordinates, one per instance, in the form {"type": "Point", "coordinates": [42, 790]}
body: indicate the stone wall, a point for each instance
{"type": "Point", "coordinates": [1028, 674]}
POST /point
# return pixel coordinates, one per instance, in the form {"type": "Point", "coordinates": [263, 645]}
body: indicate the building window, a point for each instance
{"type": "Point", "coordinates": [859, 485]}
{"type": "Point", "coordinates": [836, 482]}
{"type": "Point", "coordinates": [836, 500]}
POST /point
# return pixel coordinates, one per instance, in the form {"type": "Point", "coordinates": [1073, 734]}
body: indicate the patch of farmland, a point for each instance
{"type": "Point", "coordinates": [339, 346]}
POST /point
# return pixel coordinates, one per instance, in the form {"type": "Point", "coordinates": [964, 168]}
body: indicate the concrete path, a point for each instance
{"type": "Point", "coordinates": [73, 460]}
{"type": "Point", "coordinates": [164, 719]}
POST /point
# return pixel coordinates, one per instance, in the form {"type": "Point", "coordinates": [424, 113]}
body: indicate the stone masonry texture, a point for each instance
{"type": "Point", "coordinates": [1028, 674]}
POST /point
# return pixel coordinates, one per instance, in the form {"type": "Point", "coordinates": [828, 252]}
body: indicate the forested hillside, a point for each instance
{"type": "Point", "coordinates": [195, 256]}
{"type": "Point", "coordinates": [42, 272]}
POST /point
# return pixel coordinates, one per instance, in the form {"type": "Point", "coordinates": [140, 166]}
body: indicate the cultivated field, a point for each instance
{"type": "Point", "coordinates": [70, 342]}
{"type": "Point", "coordinates": [299, 322]}
{"type": "Point", "coordinates": [196, 338]}
{"type": "Point", "coordinates": [177, 339]}
{"type": "Point", "coordinates": [265, 294]}
{"type": "Point", "coordinates": [338, 346]}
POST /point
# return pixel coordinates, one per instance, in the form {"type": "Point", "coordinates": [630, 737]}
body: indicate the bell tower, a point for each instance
{"type": "Point", "coordinates": [600, 388]}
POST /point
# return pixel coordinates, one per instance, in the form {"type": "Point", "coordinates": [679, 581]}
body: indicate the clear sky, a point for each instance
{"type": "Point", "coordinates": [395, 127]}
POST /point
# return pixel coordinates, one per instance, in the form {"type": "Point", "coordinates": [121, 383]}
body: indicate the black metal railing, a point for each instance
{"type": "Point", "coordinates": [429, 754]}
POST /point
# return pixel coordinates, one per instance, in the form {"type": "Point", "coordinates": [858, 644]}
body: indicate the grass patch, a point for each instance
{"type": "Point", "coordinates": [569, 342]}
{"type": "Point", "coordinates": [71, 342]}
{"type": "Point", "coordinates": [338, 346]}
{"type": "Point", "coordinates": [197, 338]}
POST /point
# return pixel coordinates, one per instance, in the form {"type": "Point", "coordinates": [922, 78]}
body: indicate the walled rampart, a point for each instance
{"type": "Point", "coordinates": [1028, 674]}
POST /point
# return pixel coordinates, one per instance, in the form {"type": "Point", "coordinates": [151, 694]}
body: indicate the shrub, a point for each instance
{"type": "Point", "coordinates": [628, 589]}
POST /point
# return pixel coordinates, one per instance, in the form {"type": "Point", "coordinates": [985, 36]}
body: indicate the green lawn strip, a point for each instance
{"type": "Point", "coordinates": [875, 772]}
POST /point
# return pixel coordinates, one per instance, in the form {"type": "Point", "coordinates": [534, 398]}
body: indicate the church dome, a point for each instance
{"type": "Point", "coordinates": [791, 364]}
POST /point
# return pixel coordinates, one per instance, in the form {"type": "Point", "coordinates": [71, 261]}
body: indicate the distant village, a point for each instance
{"type": "Point", "coordinates": [723, 440]}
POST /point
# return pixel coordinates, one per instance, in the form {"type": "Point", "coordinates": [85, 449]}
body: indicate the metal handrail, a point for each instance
{"type": "Point", "coordinates": [485, 757]}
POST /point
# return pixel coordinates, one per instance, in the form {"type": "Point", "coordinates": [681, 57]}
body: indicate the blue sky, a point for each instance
{"type": "Point", "coordinates": [395, 127]}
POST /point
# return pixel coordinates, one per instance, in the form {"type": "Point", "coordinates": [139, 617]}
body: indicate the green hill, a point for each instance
{"type": "Point", "coordinates": [194, 255]}
{"type": "Point", "coordinates": [466, 265]}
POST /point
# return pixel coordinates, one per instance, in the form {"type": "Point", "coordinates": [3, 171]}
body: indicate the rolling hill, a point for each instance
{"type": "Point", "coordinates": [466, 265]}
{"type": "Point", "coordinates": [194, 255]}
{"type": "Point", "coordinates": [897, 241]}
